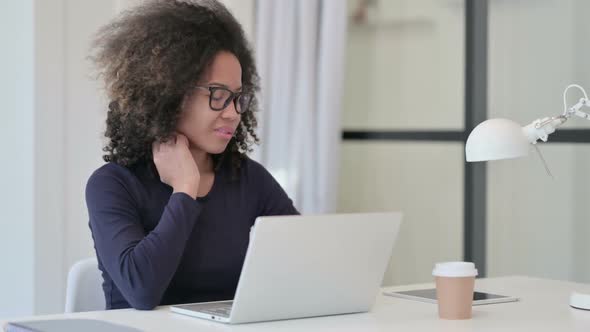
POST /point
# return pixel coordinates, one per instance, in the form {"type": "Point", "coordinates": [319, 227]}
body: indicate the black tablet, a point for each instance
{"type": "Point", "coordinates": [429, 295]}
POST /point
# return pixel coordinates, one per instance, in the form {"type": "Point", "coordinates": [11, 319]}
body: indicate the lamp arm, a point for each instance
{"type": "Point", "coordinates": [541, 128]}
{"type": "Point", "coordinates": [575, 110]}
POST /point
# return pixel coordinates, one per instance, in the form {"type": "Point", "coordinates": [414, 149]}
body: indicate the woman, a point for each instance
{"type": "Point", "coordinates": [171, 211]}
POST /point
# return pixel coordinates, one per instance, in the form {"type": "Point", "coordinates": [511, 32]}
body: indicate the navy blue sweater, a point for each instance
{"type": "Point", "coordinates": [157, 248]}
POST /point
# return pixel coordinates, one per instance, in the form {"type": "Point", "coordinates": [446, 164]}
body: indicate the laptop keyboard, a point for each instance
{"type": "Point", "coordinates": [217, 309]}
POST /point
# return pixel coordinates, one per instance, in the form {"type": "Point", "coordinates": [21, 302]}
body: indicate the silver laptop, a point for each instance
{"type": "Point", "coordinates": [307, 266]}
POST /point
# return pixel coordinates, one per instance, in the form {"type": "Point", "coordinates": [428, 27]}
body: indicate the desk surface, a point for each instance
{"type": "Point", "coordinates": [543, 307]}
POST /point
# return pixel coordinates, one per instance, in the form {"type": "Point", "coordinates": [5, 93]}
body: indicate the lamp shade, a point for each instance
{"type": "Point", "coordinates": [496, 139]}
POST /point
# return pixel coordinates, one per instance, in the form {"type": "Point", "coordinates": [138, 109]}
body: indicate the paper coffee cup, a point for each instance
{"type": "Point", "coordinates": [454, 289]}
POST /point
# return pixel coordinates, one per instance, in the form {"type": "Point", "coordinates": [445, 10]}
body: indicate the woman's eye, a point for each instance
{"type": "Point", "coordinates": [218, 95]}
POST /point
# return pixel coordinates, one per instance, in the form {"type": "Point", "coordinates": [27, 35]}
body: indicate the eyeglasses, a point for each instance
{"type": "Point", "coordinates": [220, 97]}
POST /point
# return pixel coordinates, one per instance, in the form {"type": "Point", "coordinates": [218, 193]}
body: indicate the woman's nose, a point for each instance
{"type": "Point", "coordinates": [230, 111]}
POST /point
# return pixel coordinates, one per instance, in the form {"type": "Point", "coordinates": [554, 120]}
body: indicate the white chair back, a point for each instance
{"type": "Point", "coordinates": [84, 288]}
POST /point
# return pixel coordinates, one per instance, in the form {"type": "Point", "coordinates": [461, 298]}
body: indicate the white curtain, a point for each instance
{"type": "Point", "coordinates": [300, 49]}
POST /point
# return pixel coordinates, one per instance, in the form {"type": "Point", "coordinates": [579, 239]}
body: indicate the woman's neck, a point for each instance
{"type": "Point", "coordinates": [203, 160]}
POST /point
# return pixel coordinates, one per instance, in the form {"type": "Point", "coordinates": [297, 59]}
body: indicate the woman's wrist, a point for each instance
{"type": "Point", "coordinates": [191, 190]}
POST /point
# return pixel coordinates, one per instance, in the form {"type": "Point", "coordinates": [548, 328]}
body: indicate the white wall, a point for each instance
{"type": "Point", "coordinates": [402, 75]}
{"type": "Point", "coordinates": [70, 116]}
{"type": "Point", "coordinates": [405, 67]}
{"type": "Point", "coordinates": [53, 118]}
{"type": "Point", "coordinates": [84, 119]}
{"type": "Point", "coordinates": [537, 225]}
{"type": "Point", "coordinates": [49, 151]}
{"type": "Point", "coordinates": [425, 182]}
{"type": "Point", "coordinates": [404, 72]}
{"type": "Point", "coordinates": [17, 163]}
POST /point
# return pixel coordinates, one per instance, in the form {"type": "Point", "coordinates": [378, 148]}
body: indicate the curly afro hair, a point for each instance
{"type": "Point", "coordinates": [150, 57]}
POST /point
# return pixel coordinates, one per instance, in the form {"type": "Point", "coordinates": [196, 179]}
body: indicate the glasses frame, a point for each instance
{"type": "Point", "coordinates": [233, 96]}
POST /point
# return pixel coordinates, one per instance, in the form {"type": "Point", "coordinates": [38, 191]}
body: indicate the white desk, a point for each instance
{"type": "Point", "coordinates": [543, 307]}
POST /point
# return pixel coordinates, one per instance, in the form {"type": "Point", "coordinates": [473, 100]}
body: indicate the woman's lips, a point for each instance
{"type": "Point", "coordinates": [224, 132]}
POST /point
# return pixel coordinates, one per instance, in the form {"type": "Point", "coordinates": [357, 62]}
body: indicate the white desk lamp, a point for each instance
{"type": "Point", "coordinates": [496, 139]}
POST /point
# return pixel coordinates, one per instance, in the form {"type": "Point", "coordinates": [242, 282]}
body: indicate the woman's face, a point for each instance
{"type": "Point", "coordinates": [206, 129]}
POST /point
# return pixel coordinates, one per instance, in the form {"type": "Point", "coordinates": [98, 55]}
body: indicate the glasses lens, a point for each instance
{"type": "Point", "coordinates": [243, 103]}
{"type": "Point", "coordinates": [219, 98]}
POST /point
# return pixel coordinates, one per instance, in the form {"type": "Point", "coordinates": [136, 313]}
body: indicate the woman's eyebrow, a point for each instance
{"type": "Point", "coordinates": [223, 86]}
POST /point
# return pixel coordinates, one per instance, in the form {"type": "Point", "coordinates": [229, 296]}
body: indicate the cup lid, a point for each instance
{"type": "Point", "coordinates": [454, 269]}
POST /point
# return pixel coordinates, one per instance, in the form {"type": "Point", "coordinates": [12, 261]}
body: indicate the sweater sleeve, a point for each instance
{"type": "Point", "coordinates": [140, 264]}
